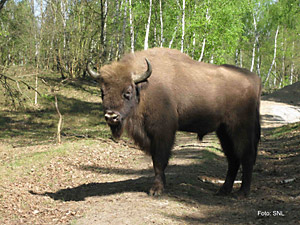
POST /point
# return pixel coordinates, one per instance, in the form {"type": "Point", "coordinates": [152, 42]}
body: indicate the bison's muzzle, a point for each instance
{"type": "Point", "coordinates": [112, 118]}
{"type": "Point", "coordinates": [115, 122]}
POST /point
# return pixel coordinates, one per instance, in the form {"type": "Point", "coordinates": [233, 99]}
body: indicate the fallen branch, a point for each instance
{"type": "Point", "coordinates": [215, 181]}
{"type": "Point", "coordinates": [20, 81]}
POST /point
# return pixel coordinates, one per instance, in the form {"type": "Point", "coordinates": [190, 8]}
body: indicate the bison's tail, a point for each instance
{"type": "Point", "coordinates": [257, 128]}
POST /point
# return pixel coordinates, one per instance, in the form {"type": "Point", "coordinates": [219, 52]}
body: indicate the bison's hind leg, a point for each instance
{"type": "Point", "coordinates": [232, 158]}
{"type": "Point", "coordinates": [245, 146]}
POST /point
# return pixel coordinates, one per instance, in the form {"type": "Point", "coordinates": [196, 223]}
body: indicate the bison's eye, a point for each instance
{"type": "Point", "coordinates": [128, 93]}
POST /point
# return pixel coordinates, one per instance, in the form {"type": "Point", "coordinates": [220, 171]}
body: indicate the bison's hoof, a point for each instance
{"type": "Point", "coordinates": [223, 191]}
{"type": "Point", "coordinates": [240, 195]}
{"type": "Point", "coordinates": [156, 190]}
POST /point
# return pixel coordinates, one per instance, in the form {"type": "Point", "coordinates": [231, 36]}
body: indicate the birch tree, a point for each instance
{"type": "Point", "coordinates": [254, 44]}
{"type": "Point", "coordinates": [121, 43]}
{"type": "Point", "coordinates": [274, 56]}
{"type": "Point", "coordinates": [183, 25]}
{"type": "Point", "coordinates": [207, 19]}
{"type": "Point", "coordinates": [2, 2]}
{"type": "Point", "coordinates": [161, 23]}
{"type": "Point", "coordinates": [131, 27]}
{"type": "Point", "coordinates": [148, 26]}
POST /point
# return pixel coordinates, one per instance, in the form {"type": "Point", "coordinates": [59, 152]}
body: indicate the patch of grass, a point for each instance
{"type": "Point", "coordinates": [285, 130]}
{"type": "Point", "coordinates": [79, 102]}
{"type": "Point", "coordinates": [24, 162]}
{"type": "Point", "coordinates": [214, 149]}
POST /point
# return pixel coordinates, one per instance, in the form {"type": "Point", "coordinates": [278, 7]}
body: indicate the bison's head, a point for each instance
{"type": "Point", "coordinates": [120, 92]}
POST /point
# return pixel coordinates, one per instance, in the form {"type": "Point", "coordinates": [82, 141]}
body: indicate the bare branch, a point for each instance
{"type": "Point", "coordinates": [19, 81]}
{"type": "Point", "coordinates": [2, 2]}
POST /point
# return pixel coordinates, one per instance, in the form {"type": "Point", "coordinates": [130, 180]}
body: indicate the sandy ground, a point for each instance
{"type": "Point", "coordinates": [277, 113]}
{"type": "Point", "coordinates": [281, 107]}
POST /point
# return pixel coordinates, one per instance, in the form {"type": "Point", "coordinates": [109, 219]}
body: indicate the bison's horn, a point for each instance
{"type": "Point", "coordinates": [93, 73]}
{"type": "Point", "coordinates": [143, 77]}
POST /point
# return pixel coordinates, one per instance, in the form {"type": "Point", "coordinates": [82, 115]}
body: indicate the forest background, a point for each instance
{"type": "Point", "coordinates": [62, 35]}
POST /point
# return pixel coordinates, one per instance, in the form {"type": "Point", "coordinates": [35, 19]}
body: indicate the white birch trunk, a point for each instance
{"type": "Point", "coordinates": [121, 43]}
{"type": "Point", "coordinates": [161, 24]}
{"type": "Point", "coordinates": [254, 44]}
{"type": "Point", "coordinates": [274, 57]}
{"type": "Point", "coordinates": [283, 62]}
{"type": "Point", "coordinates": [293, 65]}
{"type": "Point", "coordinates": [105, 22]}
{"type": "Point", "coordinates": [194, 45]}
{"type": "Point", "coordinates": [275, 78]}
{"type": "Point", "coordinates": [207, 16]}
{"type": "Point", "coordinates": [212, 59]}
{"type": "Point", "coordinates": [131, 27]}
{"type": "Point", "coordinates": [183, 24]}
{"type": "Point", "coordinates": [148, 26]}
{"type": "Point", "coordinates": [36, 89]}
{"type": "Point", "coordinates": [241, 58]}
{"type": "Point", "coordinates": [258, 61]}
{"type": "Point", "coordinates": [174, 34]}
{"type": "Point", "coordinates": [236, 57]}
{"type": "Point", "coordinates": [202, 50]}
{"type": "Point", "coordinates": [64, 18]}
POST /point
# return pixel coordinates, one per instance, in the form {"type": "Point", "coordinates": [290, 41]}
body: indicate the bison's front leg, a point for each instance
{"type": "Point", "coordinates": [160, 151]}
{"type": "Point", "coordinates": [159, 179]}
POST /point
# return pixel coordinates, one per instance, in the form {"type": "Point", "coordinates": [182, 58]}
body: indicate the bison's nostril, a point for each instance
{"type": "Point", "coordinates": [112, 117]}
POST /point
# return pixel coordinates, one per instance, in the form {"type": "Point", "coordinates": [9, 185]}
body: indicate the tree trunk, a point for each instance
{"type": "Point", "coordinates": [293, 65]}
{"type": "Point", "coordinates": [183, 24]}
{"type": "Point", "coordinates": [283, 61]}
{"type": "Point", "coordinates": [174, 33]}
{"type": "Point", "coordinates": [202, 50]}
{"type": "Point", "coordinates": [148, 26]}
{"type": "Point", "coordinates": [207, 16]}
{"type": "Point", "coordinates": [254, 44]}
{"type": "Point", "coordinates": [274, 57]}
{"type": "Point", "coordinates": [114, 41]}
{"type": "Point", "coordinates": [2, 2]}
{"type": "Point", "coordinates": [241, 58]}
{"type": "Point", "coordinates": [131, 27]}
{"type": "Point", "coordinates": [258, 60]}
{"type": "Point", "coordinates": [122, 40]}
{"type": "Point", "coordinates": [161, 24]}
{"type": "Point", "coordinates": [102, 32]}
{"type": "Point", "coordinates": [236, 57]}
{"type": "Point", "coordinates": [194, 45]}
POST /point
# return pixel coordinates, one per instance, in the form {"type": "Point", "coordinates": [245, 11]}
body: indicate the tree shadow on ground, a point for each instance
{"type": "Point", "coordinates": [84, 85]}
{"type": "Point", "coordinates": [34, 127]}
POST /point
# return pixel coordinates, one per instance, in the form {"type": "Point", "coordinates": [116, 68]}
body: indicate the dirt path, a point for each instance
{"type": "Point", "coordinates": [277, 114]}
{"type": "Point", "coordinates": [193, 177]}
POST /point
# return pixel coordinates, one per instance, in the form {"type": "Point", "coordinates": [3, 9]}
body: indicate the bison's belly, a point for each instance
{"type": "Point", "coordinates": [200, 126]}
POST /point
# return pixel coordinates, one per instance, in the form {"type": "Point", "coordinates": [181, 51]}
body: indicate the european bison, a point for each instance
{"type": "Point", "coordinates": [154, 93]}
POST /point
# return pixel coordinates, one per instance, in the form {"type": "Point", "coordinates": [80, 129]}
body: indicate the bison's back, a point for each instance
{"type": "Point", "coordinates": [204, 95]}
{"type": "Point", "coordinates": [197, 94]}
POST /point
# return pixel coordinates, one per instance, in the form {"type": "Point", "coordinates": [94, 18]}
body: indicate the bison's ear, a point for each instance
{"type": "Point", "coordinates": [93, 73]}
{"type": "Point", "coordinates": [139, 78]}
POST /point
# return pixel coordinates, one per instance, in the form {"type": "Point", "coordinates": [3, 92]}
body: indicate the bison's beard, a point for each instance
{"type": "Point", "coordinates": [116, 130]}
